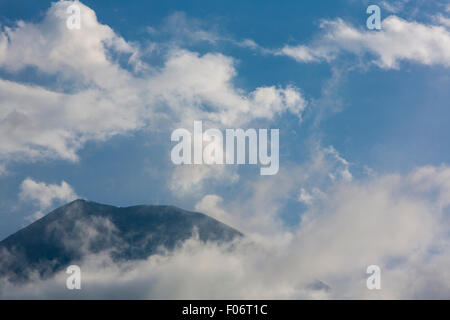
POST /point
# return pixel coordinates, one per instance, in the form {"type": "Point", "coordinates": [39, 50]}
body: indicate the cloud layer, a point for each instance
{"type": "Point", "coordinates": [396, 222]}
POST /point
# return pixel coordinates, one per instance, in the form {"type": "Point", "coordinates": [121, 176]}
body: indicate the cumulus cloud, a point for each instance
{"type": "Point", "coordinates": [398, 40]}
{"type": "Point", "coordinates": [391, 221]}
{"type": "Point", "coordinates": [48, 122]}
{"type": "Point", "coordinates": [212, 205]}
{"type": "Point", "coordinates": [200, 87]}
{"type": "Point", "coordinates": [45, 195]}
{"type": "Point", "coordinates": [106, 97]}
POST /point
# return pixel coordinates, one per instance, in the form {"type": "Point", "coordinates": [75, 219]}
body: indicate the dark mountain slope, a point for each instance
{"type": "Point", "coordinates": [80, 227]}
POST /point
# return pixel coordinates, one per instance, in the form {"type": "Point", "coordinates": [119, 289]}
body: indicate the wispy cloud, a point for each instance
{"type": "Point", "coordinates": [398, 40]}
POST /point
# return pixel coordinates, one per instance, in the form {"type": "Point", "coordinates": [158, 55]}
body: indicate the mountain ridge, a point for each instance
{"type": "Point", "coordinates": [77, 228]}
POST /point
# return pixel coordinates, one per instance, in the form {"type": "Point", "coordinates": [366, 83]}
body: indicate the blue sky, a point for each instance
{"type": "Point", "coordinates": [379, 119]}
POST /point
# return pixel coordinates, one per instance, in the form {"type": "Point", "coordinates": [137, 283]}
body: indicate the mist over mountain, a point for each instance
{"type": "Point", "coordinates": [69, 232]}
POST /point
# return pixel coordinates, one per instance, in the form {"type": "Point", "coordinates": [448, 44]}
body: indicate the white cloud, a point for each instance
{"type": "Point", "coordinates": [188, 82]}
{"type": "Point", "coordinates": [443, 20]}
{"type": "Point", "coordinates": [193, 179]}
{"type": "Point", "coordinates": [376, 221]}
{"type": "Point", "coordinates": [309, 198]}
{"type": "Point", "coordinates": [435, 180]}
{"type": "Point", "coordinates": [46, 122]}
{"type": "Point", "coordinates": [305, 54]}
{"type": "Point", "coordinates": [260, 202]}
{"type": "Point", "coordinates": [398, 40]}
{"type": "Point", "coordinates": [342, 165]}
{"type": "Point", "coordinates": [184, 29]}
{"type": "Point", "coordinates": [53, 48]}
{"type": "Point", "coordinates": [211, 204]}
{"type": "Point", "coordinates": [46, 195]}
{"type": "Point", "coordinates": [40, 121]}
{"type": "Point", "coordinates": [393, 6]}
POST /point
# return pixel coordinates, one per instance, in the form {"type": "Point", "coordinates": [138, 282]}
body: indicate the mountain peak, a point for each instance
{"type": "Point", "coordinates": [69, 232]}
